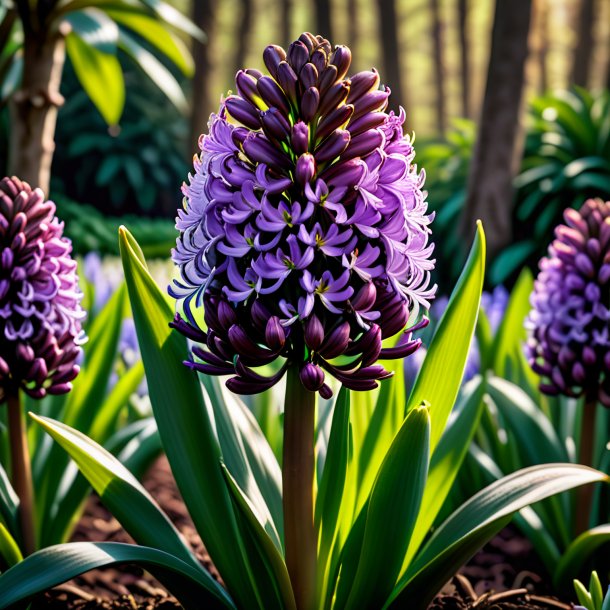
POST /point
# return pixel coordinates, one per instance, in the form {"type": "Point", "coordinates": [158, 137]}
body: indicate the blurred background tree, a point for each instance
{"type": "Point", "coordinates": [436, 55]}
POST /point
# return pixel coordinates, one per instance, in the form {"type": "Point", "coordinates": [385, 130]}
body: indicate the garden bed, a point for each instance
{"type": "Point", "coordinates": [505, 574]}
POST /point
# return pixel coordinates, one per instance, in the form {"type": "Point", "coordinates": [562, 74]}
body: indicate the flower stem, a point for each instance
{"type": "Point", "coordinates": [298, 467]}
{"type": "Point", "coordinates": [21, 471]}
{"type": "Point", "coordinates": [585, 457]}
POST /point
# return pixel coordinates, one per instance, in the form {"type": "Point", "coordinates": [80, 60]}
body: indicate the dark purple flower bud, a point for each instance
{"type": "Point", "coordinates": [40, 312]}
{"type": "Point", "coordinates": [272, 94]}
{"type": "Point", "coordinates": [243, 112]}
{"type": "Point", "coordinates": [272, 56]}
{"type": "Point", "coordinates": [306, 168]}
{"type": "Point", "coordinates": [569, 325]}
{"type": "Point", "coordinates": [333, 146]}
{"type": "Point", "coordinates": [309, 104]}
{"type": "Point", "coordinates": [342, 58]}
{"type": "Point", "coordinates": [300, 139]}
{"type": "Point", "coordinates": [312, 377]}
{"type": "Point", "coordinates": [308, 76]}
{"type": "Point", "coordinates": [304, 233]}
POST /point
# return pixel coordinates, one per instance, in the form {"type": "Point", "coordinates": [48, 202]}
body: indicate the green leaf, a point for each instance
{"type": "Point", "coordinates": [170, 45]}
{"type": "Point", "coordinates": [579, 551]}
{"type": "Point", "coordinates": [142, 450]}
{"type": "Point", "coordinates": [268, 554]}
{"type": "Point", "coordinates": [595, 590]}
{"type": "Point", "coordinates": [120, 491]}
{"type": "Point", "coordinates": [584, 599]}
{"type": "Point", "coordinates": [100, 75]}
{"type": "Point", "coordinates": [184, 425]}
{"type": "Point", "coordinates": [392, 511]}
{"type": "Point", "coordinates": [439, 379]}
{"type": "Point", "coordinates": [9, 549]}
{"type": "Point", "coordinates": [175, 18]}
{"type": "Point", "coordinates": [447, 460]}
{"type": "Point", "coordinates": [8, 501]}
{"type": "Point", "coordinates": [155, 70]}
{"type": "Point", "coordinates": [57, 564]}
{"type": "Point", "coordinates": [95, 29]}
{"type": "Point", "coordinates": [479, 519]}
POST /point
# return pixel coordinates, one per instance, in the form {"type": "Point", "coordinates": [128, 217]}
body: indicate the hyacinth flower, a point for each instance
{"type": "Point", "coordinates": [40, 320]}
{"type": "Point", "coordinates": [569, 324]}
{"type": "Point", "coordinates": [304, 238]}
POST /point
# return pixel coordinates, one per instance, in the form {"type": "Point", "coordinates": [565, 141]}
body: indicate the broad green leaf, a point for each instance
{"type": "Point", "coordinates": [439, 379]}
{"type": "Point", "coordinates": [95, 29]}
{"type": "Point", "coordinates": [447, 460]}
{"type": "Point", "coordinates": [120, 492]}
{"type": "Point", "coordinates": [184, 425]}
{"type": "Point", "coordinates": [155, 70]}
{"type": "Point", "coordinates": [584, 598]}
{"type": "Point", "coordinates": [243, 446]}
{"type": "Point", "coordinates": [142, 450]}
{"type": "Point", "coordinates": [451, 545]}
{"type": "Point", "coordinates": [9, 549]}
{"type": "Point", "coordinates": [391, 513]}
{"type": "Point", "coordinates": [54, 565]}
{"type": "Point", "coordinates": [158, 35]}
{"type": "Point", "coordinates": [579, 551]}
{"type": "Point", "coordinates": [268, 554]}
{"type": "Point", "coordinates": [175, 18]}
{"type": "Point", "coordinates": [8, 501]}
{"type": "Point", "coordinates": [100, 75]}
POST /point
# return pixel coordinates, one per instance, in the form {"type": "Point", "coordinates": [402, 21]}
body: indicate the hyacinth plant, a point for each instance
{"type": "Point", "coordinates": [95, 406]}
{"type": "Point", "coordinates": [347, 526]}
{"type": "Point", "coordinates": [592, 598]}
{"type": "Point", "coordinates": [556, 410]}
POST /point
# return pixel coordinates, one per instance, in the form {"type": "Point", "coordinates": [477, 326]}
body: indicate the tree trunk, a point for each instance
{"type": "Point", "coordinates": [388, 32]}
{"type": "Point", "coordinates": [464, 56]}
{"type": "Point", "coordinates": [584, 44]}
{"type": "Point", "coordinates": [543, 45]}
{"type": "Point", "coordinates": [352, 25]}
{"type": "Point", "coordinates": [204, 99]}
{"type": "Point", "coordinates": [286, 22]}
{"type": "Point", "coordinates": [243, 34]}
{"type": "Point", "coordinates": [34, 107]}
{"type": "Point", "coordinates": [439, 67]}
{"type": "Point", "coordinates": [490, 190]}
{"type": "Point", "coordinates": [323, 20]}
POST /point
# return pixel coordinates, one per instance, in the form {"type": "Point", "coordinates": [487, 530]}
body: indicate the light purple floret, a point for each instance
{"type": "Point", "coordinates": [304, 205]}
{"type": "Point", "coordinates": [40, 311]}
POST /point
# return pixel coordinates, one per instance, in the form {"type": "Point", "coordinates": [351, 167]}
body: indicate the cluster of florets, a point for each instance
{"type": "Point", "coordinates": [569, 325]}
{"type": "Point", "coordinates": [40, 312]}
{"type": "Point", "coordinates": [304, 233]}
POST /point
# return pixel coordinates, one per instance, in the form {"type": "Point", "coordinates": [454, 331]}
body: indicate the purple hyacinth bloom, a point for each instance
{"type": "Point", "coordinates": [569, 324]}
{"type": "Point", "coordinates": [305, 213]}
{"type": "Point", "coordinates": [40, 311]}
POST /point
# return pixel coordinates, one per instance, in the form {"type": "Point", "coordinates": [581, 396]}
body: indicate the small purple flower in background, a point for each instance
{"type": "Point", "coordinates": [304, 233]}
{"type": "Point", "coordinates": [569, 324]}
{"type": "Point", "coordinates": [40, 311]}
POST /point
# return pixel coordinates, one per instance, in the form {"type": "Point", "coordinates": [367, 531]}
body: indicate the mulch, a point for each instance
{"type": "Point", "coordinates": [504, 575]}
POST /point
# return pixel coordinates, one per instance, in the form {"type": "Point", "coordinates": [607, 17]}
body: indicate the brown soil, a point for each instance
{"type": "Point", "coordinates": [505, 575]}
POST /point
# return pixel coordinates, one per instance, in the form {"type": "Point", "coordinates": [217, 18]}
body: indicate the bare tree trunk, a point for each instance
{"type": "Point", "coordinates": [584, 44]}
{"type": "Point", "coordinates": [34, 107]}
{"type": "Point", "coordinates": [543, 44]}
{"type": "Point", "coordinates": [243, 34]}
{"type": "Point", "coordinates": [388, 32]}
{"type": "Point", "coordinates": [352, 25]}
{"type": "Point", "coordinates": [204, 100]}
{"type": "Point", "coordinates": [439, 67]}
{"type": "Point", "coordinates": [464, 56]}
{"type": "Point", "coordinates": [323, 19]}
{"type": "Point", "coordinates": [286, 22]}
{"type": "Point", "coordinates": [490, 189]}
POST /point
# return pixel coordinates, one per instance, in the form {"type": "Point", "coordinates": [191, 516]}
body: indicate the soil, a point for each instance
{"type": "Point", "coordinates": [505, 575]}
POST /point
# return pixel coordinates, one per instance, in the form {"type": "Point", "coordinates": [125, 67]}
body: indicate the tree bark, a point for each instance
{"type": "Point", "coordinates": [439, 67]}
{"type": "Point", "coordinates": [243, 35]}
{"type": "Point", "coordinates": [391, 54]}
{"type": "Point", "coordinates": [464, 57]}
{"type": "Point", "coordinates": [204, 100]}
{"type": "Point", "coordinates": [543, 46]}
{"type": "Point", "coordinates": [34, 107]}
{"type": "Point", "coordinates": [490, 191]}
{"type": "Point", "coordinates": [286, 22]}
{"type": "Point", "coordinates": [324, 20]}
{"type": "Point", "coordinates": [584, 44]}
